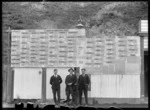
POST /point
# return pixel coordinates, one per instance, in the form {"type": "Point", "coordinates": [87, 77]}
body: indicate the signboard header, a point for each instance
{"type": "Point", "coordinates": [143, 26]}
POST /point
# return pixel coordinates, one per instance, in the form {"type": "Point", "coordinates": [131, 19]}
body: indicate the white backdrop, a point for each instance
{"type": "Point", "coordinates": [115, 86]}
{"type": "Point", "coordinates": [27, 83]}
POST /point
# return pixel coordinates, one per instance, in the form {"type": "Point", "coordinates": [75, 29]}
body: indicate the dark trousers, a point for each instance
{"type": "Point", "coordinates": [69, 91]}
{"type": "Point", "coordinates": [75, 94]}
{"type": "Point", "coordinates": [85, 94]}
{"type": "Point", "coordinates": [56, 90]}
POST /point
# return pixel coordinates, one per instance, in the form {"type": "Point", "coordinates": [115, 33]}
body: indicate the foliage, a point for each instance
{"type": "Point", "coordinates": [121, 17]}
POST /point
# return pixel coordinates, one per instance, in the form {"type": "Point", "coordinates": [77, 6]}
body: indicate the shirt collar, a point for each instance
{"type": "Point", "coordinates": [55, 75]}
{"type": "Point", "coordinates": [83, 74]}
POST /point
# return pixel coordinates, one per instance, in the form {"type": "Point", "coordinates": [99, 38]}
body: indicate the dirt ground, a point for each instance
{"type": "Point", "coordinates": [102, 102]}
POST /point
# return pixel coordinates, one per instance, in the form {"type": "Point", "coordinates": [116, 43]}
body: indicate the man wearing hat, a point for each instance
{"type": "Point", "coordinates": [70, 81]}
{"type": "Point", "coordinates": [83, 83]}
{"type": "Point", "coordinates": [55, 81]}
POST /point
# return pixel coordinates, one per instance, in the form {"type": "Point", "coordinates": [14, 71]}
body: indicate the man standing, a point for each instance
{"type": "Point", "coordinates": [83, 84]}
{"type": "Point", "coordinates": [55, 81]}
{"type": "Point", "coordinates": [70, 81]}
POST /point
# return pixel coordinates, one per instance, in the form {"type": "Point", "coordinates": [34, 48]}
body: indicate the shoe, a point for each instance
{"type": "Point", "coordinates": [75, 106]}
{"type": "Point", "coordinates": [60, 104]}
{"type": "Point", "coordinates": [70, 106]}
{"type": "Point", "coordinates": [86, 105]}
{"type": "Point", "coordinates": [67, 105]}
{"type": "Point", "coordinates": [80, 104]}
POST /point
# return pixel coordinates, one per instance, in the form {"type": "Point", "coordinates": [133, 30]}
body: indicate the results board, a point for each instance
{"type": "Point", "coordinates": [45, 48]}
{"type": "Point", "coordinates": [71, 48]}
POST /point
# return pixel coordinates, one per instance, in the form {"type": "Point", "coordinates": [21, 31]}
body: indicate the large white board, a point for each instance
{"type": "Point", "coordinates": [45, 48]}
{"type": "Point", "coordinates": [66, 48]}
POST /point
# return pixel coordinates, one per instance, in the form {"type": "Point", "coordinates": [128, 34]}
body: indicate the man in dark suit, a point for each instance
{"type": "Point", "coordinates": [83, 83]}
{"type": "Point", "coordinates": [70, 81]}
{"type": "Point", "coordinates": [55, 81]}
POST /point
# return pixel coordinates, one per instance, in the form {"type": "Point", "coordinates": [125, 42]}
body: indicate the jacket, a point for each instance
{"type": "Point", "coordinates": [83, 82]}
{"type": "Point", "coordinates": [71, 79]}
{"type": "Point", "coordinates": [55, 82]}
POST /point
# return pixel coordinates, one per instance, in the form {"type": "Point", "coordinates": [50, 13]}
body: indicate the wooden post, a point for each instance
{"type": "Point", "coordinates": [4, 84]}
{"type": "Point", "coordinates": [12, 87]}
{"type": "Point", "coordinates": [9, 73]}
{"type": "Point", "coordinates": [142, 66]}
{"type": "Point", "coordinates": [9, 85]}
{"type": "Point", "coordinates": [4, 67]}
{"type": "Point", "coordinates": [77, 73]}
{"type": "Point", "coordinates": [43, 84]}
{"type": "Point", "coordinates": [142, 34]}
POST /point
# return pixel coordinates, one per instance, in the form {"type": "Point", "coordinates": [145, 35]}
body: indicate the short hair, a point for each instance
{"type": "Point", "coordinates": [55, 69]}
{"type": "Point", "coordinates": [70, 69]}
{"type": "Point", "coordinates": [83, 69]}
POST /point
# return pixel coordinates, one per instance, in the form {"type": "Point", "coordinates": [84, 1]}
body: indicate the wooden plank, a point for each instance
{"type": "Point", "coordinates": [43, 84]}
{"type": "Point", "coordinates": [142, 66]}
{"type": "Point", "coordinates": [12, 87]}
{"type": "Point", "coordinates": [4, 82]}
{"type": "Point", "coordinates": [9, 73]}
{"type": "Point", "coordinates": [77, 71]}
{"type": "Point", "coordinates": [9, 84]}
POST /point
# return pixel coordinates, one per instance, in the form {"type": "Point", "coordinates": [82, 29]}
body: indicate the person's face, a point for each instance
{"type": "Point", "coordinates": [71, 72]}
{"type": "Point", "coordinates": [55, 72]}
{"type": "Point", "coordinates": [83, 71]}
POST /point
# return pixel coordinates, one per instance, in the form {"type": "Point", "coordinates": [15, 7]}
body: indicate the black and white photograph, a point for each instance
{"type": "Point", "coordinates": [74, 54]}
